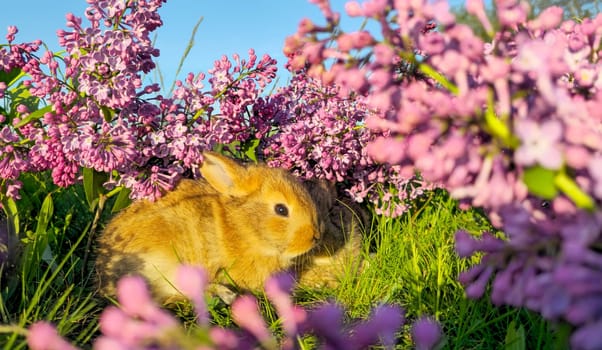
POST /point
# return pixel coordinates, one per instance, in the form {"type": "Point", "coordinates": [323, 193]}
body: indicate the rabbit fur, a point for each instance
{"type": "Point", "coordinates": [242, 223]}
{"type": "Point", "coordinates": [339, 251]}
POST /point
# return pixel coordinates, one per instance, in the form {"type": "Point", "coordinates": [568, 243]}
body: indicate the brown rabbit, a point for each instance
{"type": "Point", "coordinates": [248, 221]}
{"type": "Point", "coordinates": [342, 222]}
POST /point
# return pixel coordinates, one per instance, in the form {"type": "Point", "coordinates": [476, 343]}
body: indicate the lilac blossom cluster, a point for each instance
{"type": "Point", "coordinates": [511, 124]}
{"type": "Point", "coordinates": [318, 134]}
{"type": "Point", "coordinates": [138, 323]}
{"type": "Point", "coordinates": [98, 113]}
{"type": "Point", "coordinates": [100, 116]}
{"type": "Point", "coordinates": [91, 109]}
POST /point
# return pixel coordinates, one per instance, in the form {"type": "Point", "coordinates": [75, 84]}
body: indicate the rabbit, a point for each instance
{"type": "Point", "coordinates": [242, 223]}
{"type": "Point", "coordinates": [342, 222]}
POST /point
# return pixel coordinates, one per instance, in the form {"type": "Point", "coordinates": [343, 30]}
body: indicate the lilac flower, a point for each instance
{"type": "Point", "coordinates": [12, 31]}
{"type": "Point", "coordinates": [135, 300]}
{"type": "Point", "coordinates": [477, 8]}
{"type": "Point", "coordinates": [539, 143]}
{"type": "Point", "coordinates": [466, 245]}
{"type": "Point", "coordinates": [588, 337]}
{"type": "Point", "coordinates": [246, 314]}
{"type": "Point", "coordinates": [475, 287]}
{"type": "Point", "coordinates": [355, 40]}
{"type": "Point", "coordinates": [114, 149]}
{"type": "Point", "coordinates": [278, 289]}
{"type": "Point", "coordinates": [321, 136]}
{"type": "Point", "coordinates": [384, 322]}
{"type": "Point", "coordinates": [549, 18]}
{"type": "Point", "coordinates": [192, 281]}
{"type": "Point", "coordinates": [139, 322]}
{"type": "Point", "coordinates": [426, 333]}
{"type": "Point", "coordinates": [595, 169]}
{"type": "Point", "coordinates": [512, 13]}
{"type": "Point", "coordinates": [43, 336]}
{"type": "Point", "coordinates": [353, 9]}
{"type": "Point", "coordinates": [327, 322]}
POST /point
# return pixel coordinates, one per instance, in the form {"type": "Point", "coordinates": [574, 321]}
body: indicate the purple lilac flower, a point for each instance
{"type": "Point", "coordinates": [426, 333]}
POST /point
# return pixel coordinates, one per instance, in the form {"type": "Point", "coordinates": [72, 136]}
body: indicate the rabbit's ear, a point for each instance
{"type": "Point", "coordinates": [223, 174]}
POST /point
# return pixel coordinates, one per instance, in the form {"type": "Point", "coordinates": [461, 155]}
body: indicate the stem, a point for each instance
{"type": "Point", "coordinates": [13, 329]}
{"type": "Point", "coordinates": [189, 47]}
{"type": "Point", "coordinates": [570, 188]}
{"type": "Point", "coordinates": [498, 127]}
{"type": "Point", "coordinates": [440, 78]}
{"type": "Point", "coordinates": [12, 226]}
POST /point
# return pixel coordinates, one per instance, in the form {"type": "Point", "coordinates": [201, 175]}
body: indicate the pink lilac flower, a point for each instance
{"type": "Point", "coordinates": [43, 336]}
{"type": "Point", "coordinates": [477, 8]}
{"type": "Point", "coordinates": [322, 136]}
{"type": "Point", "coordinates": [138, 322]}
{"type": "Point", "coordinates": [135, 300]}
{"type": "Point", "coordinates": [278, 289]}
{"type": "Point", "coordinates": [595, 169]}
{"type": "Point", "coordinates": [192, 281]}
{"type": "Point", "coordinates": [540, 143]}
{"type": "Point", "coordinates": [587, 338]}
{"type": "Point", "coordinates": [548, 19]}
{"type": "Point", "coordinates": [246, 314]}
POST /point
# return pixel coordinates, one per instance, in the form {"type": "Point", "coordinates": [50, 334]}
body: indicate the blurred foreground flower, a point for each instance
{"type": "Point", "coordinates": [43, 336]}
{"type": "Point", "coordinates": [140, 324]}
{"type": "Point", "coordinates": [426, 333]}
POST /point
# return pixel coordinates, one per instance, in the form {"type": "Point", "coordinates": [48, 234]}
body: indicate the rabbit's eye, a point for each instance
{"type": "Point", "coordinates": [281, 209]}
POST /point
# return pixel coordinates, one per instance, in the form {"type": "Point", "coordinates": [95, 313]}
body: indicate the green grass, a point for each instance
{"type": "Point", "coordinates": [410, 262]}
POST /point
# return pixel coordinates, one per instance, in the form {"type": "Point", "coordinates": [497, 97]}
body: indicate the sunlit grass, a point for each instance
{"type": "Point", "coordinates": [409, 261]}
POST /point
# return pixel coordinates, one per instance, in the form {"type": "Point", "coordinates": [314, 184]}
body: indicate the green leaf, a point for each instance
{"type": "Point", "coordinates": [122, 201]}
{"type": "Point", "coordinates": [496, 126]}
{"type": "Point", "coordinates": [569, 187]}
{"type": "Point", "coordinates": [45, 215]}
{"type": "Point", "coordinates": [37, 249]}
{"type": "Point", "coordinates": [515, 337]}
{"type": "Point", "coordinates": [439, 78]}
{"type": "Point", "coordinates": [12, 213]}
{"type": "Point", "coordinates": [93, 181]}
{"type": "Point", "coordinates": [249, 149]}
{"type": "Point", "coordinates": [35, 115]}
{"type": "Point", "coordinates": [107, 113]}
{"type": "Point", "coordinates": [21, 95]}
{"type": "Point", "coordinates": [9, 78]}
{"type": "Point", "coordinates": [540, 182]}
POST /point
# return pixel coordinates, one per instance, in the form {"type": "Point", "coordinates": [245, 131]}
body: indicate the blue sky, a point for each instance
{"type": "Point", "coordinates": [228, 27]}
